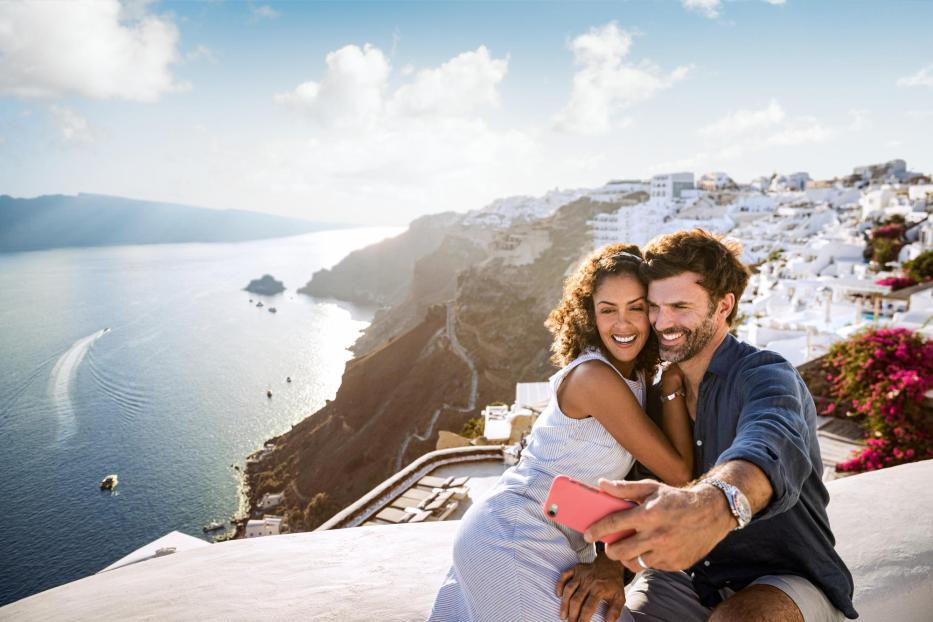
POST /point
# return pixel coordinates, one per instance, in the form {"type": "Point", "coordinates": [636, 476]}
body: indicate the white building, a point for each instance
{"type": "Point", "coordinates": [267, 526]}
{"type": "Point", "coordinates": [271, 500]}
{"type": "Point", "coordinates": [633, 224]}
{"type": "Point", "coordinates": [664, 188]}
{"type": "Point", "coordinates": [715, 180]}
{"type": "Point", "coordinates": [794, 181]}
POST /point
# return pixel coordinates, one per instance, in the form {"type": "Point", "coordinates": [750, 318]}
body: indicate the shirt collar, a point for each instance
{"type": "Point", "coordinates": [725, 356]}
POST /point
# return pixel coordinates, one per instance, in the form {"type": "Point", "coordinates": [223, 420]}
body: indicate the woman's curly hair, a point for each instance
{"type": "Point", "coordinates": [573, 321]}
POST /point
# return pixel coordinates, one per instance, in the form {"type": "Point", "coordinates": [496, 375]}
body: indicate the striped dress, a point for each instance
{"type": "Point", "coordinates": [507, 556]}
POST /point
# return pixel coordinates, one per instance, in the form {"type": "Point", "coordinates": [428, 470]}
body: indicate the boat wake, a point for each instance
{"type": "Point", "coordinates": [61, 381]}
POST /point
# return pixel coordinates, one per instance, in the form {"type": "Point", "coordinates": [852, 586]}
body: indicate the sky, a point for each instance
{"type": "Point", "coordinates": [380, 112]}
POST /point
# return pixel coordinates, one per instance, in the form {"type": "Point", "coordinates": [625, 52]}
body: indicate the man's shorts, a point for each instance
{"type": "Point", "coordinates": [656, 596]}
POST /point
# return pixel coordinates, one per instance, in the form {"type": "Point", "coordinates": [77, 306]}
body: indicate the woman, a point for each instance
{"type": "Point", "coordinates": [507, 556]}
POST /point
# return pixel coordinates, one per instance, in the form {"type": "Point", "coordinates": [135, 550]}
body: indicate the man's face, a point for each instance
{"type": "Point", "coordinates": [681, 313]}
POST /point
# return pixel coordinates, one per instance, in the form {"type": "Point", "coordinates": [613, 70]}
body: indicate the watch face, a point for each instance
{"type": "Point", "coordinates": [743, 507]}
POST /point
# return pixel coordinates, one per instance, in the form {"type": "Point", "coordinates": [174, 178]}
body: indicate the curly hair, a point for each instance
{"type": "Point", "coordinates": [716, 260]}
{"type": "Point", "coordinates": [573, 321]}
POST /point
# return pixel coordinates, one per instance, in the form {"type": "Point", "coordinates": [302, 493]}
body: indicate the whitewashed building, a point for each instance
{"type": "Point", "coordinates": [664, 188]}
{"type": "Point", "coordinates": [271, 500]}
{"type": "Point", "coordinates": [266, 526]}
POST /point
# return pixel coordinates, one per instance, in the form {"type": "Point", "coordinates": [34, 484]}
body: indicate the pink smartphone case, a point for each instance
{"type": "Point", "coordinates": [578, 505]}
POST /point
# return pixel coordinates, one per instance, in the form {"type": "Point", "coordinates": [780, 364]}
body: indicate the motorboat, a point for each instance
{"type": "Point", "coordinates": [268, 392]}
{"type": "Point", "coordinates": [260, 305]}
{"type": "Point", "coordinates": [288, 378]}
{"type": "Point", "coordinates": [109, 482]}
{"type": "Point", "coordinates": [272, 310]}
{"type": "Point", "coordinates": [212, 526]}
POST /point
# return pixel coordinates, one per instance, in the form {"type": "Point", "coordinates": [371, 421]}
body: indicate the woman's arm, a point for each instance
{"type": "Point", "coordinates": [595, 389]}
{"type": "Point", "coordinates": [675, 420]}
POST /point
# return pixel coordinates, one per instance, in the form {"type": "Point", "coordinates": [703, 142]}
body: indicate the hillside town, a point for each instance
{"type": "Point", "coordinates": [818, 275]}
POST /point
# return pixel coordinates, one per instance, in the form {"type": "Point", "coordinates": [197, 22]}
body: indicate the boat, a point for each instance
{"type": "Point", "coordinates": [288, 378]}
{"type": "Point", "coordinates": [109, 482]}
{"type": "Point", "coordinates": [259, 304]}
{"type": "Point", "coordinates": [268, 392]}
{"type": "Point", "coordinates": [272, 310]}
{"type": "Point", "coordinates": [213, 526]}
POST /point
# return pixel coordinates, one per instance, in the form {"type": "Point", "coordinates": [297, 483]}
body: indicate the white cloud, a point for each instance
{"type": "Point", "coordinates": [708, 8]}
{"type": "Point", "coordinates": [54, 48]}
{"type": "Point", "coordinates": [923, 77]}
{"type": "Point", "coordinates": [411, 145]}
{"type": "Point", "coordinates": [802, 131]}
{"type": "Point", "coordinates": [201, 52]}
{"type": "Point", "coordinates": [861, 120]}
{"type": "Point", "coordinates": [743, 121]}
{"type": "Point", "coordinates": [460, 86]}
{"type": "Point", "coordinates": [74, 129]}
{"type": "Point", "coordinates": [605, 84]}
{"type": "Point", "coordinates": [351, 91]}
{"type": "Point", "coordinates": [264, 12]}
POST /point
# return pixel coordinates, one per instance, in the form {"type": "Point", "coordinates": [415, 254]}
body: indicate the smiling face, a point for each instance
{"type": "Point", "coordinates": [683, 315]}
{"type": "Point", "coordinates": [622, 319]}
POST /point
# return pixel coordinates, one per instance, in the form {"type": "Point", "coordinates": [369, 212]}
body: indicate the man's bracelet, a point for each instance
{"type": "Point", "coordinates": [672, 396]}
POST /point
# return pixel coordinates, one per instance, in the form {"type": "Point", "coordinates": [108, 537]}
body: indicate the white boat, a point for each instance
{"type": "Point", "coordinates": [109, 482]}
{"type": "Point", "coordinates": [213, 526]}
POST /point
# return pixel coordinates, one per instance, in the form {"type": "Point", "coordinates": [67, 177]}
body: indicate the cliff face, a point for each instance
{"type": "Point", "coordinates": [467, 327]}
{"type": "Point", "coordinates": [381, 274]}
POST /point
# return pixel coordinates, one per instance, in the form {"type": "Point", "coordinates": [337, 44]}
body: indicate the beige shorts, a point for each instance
{"type": "Point", "coordinates": [658, 596]}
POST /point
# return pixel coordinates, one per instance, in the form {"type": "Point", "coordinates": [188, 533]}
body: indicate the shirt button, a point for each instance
{"type": "Point", "coordinates": [699, 443]}
{"type": "Point", "coordinates": [706, 563]}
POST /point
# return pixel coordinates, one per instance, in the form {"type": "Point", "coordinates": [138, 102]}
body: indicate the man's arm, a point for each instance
{"type": "Point", "coordinates": [676, 527]}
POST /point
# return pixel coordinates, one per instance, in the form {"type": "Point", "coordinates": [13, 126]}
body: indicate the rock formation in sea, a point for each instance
{"type": "Point", "coordinates": [266, 285]}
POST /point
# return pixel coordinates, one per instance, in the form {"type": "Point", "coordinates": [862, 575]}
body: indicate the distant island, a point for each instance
{"type": "Point", "coordinates": [59, 221]}
{"type": "Point", "coordinates": [267, 286]}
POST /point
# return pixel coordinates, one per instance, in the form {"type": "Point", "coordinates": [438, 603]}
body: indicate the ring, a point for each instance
{"type": "Point", "coordinates": [642, 563]}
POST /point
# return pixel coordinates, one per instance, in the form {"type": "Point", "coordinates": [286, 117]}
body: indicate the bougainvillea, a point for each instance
{"type": "Point", "coordinates": [880, 377]}
{"type": "Point", "coordinates": [897, 282]}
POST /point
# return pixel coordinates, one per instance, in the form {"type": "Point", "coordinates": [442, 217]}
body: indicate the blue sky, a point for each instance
{"type": "Point", "coordinates": [380, 112]}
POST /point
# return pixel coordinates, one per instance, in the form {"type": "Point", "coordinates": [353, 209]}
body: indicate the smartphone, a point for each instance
{"type": "Point", "coordinates": [578, 505]}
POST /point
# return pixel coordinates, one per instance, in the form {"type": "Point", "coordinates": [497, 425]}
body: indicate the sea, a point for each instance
{"type": "Point", "coordinates": [151, 362]}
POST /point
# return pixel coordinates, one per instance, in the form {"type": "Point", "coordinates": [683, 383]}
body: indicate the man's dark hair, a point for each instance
{"type": "Point", "coordinates": [715, 260]}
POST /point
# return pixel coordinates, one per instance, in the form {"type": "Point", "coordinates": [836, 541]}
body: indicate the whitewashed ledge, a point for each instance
{"type": "Point", "coordinates": [883, 521]}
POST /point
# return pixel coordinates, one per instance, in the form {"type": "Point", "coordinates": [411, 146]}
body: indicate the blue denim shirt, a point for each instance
{"type": "Point", "coordinates": [754, 406]}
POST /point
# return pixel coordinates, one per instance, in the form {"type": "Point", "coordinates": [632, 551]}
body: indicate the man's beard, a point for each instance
{"type": "Point", "coordinates": [694, 341]}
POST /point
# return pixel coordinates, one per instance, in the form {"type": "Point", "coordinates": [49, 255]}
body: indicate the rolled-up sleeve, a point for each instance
{"type": "Point", "coordinates": [772, 432]}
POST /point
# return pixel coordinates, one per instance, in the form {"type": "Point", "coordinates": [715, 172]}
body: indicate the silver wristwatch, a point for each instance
{"type": "Point", "coordinates": [738, 503]}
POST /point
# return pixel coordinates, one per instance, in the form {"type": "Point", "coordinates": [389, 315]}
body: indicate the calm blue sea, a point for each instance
{"type": "Point", "coordinates": [169, 398]}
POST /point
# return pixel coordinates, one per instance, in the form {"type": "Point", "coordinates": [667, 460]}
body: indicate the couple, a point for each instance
{"type": "Point", "coordinates": [749, 539]}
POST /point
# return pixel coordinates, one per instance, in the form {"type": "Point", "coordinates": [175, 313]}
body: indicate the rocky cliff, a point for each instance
{"type": "Point", "coordinates": [466, 324]}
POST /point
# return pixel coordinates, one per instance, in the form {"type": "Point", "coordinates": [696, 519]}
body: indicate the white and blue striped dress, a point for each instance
{"type": "Point", "coordinates": [508, 556]}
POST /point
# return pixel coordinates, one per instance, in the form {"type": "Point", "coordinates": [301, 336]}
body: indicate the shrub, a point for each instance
{"type": "Point", "coordinates": [880, 376]}
{"type": "Point", "coordinates": [473, 428]}
{"type": "Point", "coordinates": [885, 250]}
{"type": "Point", "coordinates": [921, 267]}
{"type": "Point", "coordinates": [897, 282]}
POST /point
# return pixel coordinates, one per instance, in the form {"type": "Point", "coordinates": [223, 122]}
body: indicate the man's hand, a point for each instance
{"type": "Point", "coordinates": [584, 586]}
{"type": "Point", "coordinates": [675, 527]}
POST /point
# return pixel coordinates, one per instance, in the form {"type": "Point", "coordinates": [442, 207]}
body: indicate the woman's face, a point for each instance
{"type": "Point", "coordinates": [622, 319]}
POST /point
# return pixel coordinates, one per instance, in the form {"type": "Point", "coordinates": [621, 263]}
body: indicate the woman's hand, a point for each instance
{"type": "Point", "coordinates": [583, 587]}
{"type": "Point", "coordinates": [672, 379]}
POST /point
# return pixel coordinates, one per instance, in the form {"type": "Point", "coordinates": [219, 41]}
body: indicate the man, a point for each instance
{"type": "Point", "coordinates": [750, 538]}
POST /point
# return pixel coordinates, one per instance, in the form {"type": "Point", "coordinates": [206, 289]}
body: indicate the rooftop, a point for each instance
{"type": "Point", "coordinates": [882, 521]}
